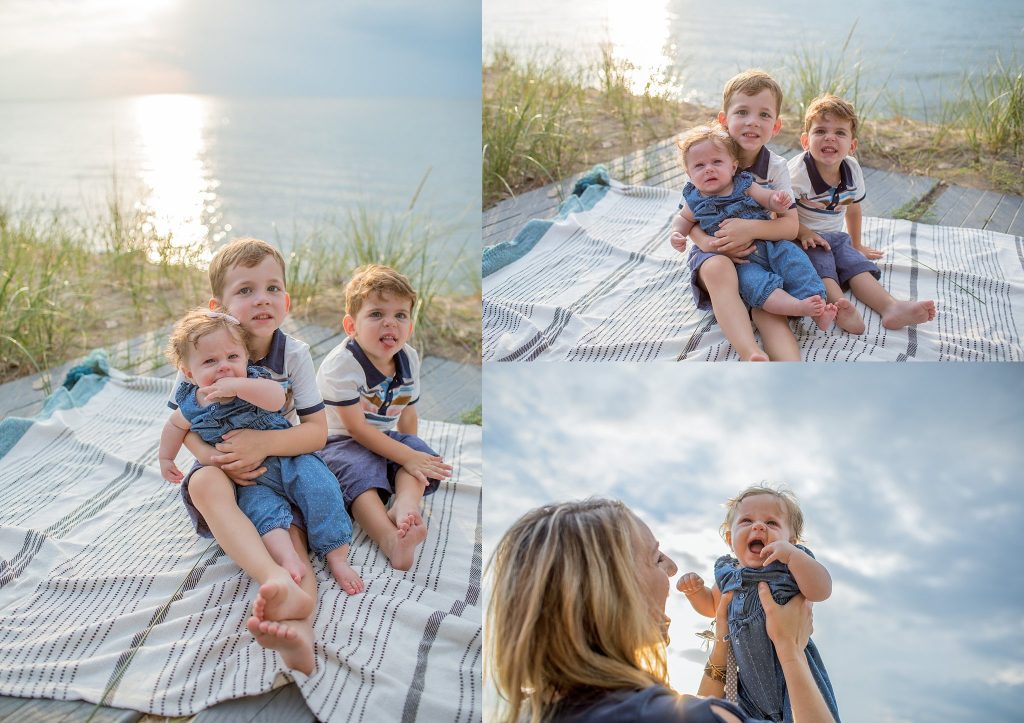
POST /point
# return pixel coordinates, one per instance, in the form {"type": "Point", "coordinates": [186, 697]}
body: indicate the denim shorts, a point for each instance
{"type": "Point", "coordinates": [360, 470]}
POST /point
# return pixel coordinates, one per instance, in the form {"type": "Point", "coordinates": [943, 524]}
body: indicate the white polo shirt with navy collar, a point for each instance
{"type": "Point", "coordinates": [347, 376]}
{"type": "Point", "coordinates": [291, 365]}
{"type": "Point", "coordinates": [822, 207]}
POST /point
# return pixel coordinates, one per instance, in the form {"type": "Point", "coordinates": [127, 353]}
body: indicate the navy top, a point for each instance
{"type": "Point", "coordinates": [656, 704]}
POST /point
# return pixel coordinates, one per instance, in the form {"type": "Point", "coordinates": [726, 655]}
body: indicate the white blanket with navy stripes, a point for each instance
{"type": "Point", "coordinates": [106, 594]}
{"type": "Point", "coordinates": [605, 285]}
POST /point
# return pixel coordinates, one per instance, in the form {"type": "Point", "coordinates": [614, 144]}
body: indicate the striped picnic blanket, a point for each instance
{"type": "Point", "coordinates": [602, 283]}
{"type": "Point", "coordinates": [107, 595]}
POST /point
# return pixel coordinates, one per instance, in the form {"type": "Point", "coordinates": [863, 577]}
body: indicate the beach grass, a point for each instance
{"type": "Point", "coordinates": [974, 138]}
{"type": "Point", "coordinates": [69, 285]}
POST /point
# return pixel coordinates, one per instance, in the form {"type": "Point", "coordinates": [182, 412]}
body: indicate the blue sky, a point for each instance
{"type": "Point", "coordinates": [357, 48]}
{"type": "Point", "coordinates": [909, 476]}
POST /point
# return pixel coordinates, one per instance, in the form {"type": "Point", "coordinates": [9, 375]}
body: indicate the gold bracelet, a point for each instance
{"type": "Point", "coordinates": [715, 672]}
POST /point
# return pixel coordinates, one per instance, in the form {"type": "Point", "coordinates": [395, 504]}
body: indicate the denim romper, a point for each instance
{"type": "Point", "coordinates": [303, 480]}
{"type": "Point", "coordinates": [762, 686]}
{"type": "Point", "coordinates": [774, 264]}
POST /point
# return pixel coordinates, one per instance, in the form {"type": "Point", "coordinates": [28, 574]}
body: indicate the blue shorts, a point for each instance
{"type": "Point", "coordinates": [843, 262]}
{"type": "Point", "coordinates": [360, 470]}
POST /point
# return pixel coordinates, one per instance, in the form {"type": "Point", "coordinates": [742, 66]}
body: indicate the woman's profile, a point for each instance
{"type": "Point", "coordinates": [577, 629]}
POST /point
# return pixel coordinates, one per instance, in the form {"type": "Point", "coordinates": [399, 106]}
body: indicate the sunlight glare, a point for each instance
{"type": "Point", "coordinates": [639, 34]}
{"type": "Point", "coordinates": [181, 200]}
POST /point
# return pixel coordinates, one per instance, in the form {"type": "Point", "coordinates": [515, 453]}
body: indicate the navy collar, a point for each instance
{"type": "Point", "coordinates": [374, 376]}
{"type": "Point", "coordinates": [819, 184]}
{"type": "Point", "coordinates": [760, 165]}
{"type": "Point", "coordinates": [274, 360]}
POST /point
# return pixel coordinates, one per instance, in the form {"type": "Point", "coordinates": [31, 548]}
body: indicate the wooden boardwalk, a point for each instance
{"type": "Point", "coordinates": [888, 193]}
{"type": "Point", "coordinates": [450, 391]}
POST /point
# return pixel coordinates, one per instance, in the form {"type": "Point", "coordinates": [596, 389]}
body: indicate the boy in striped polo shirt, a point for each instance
{"type": "Point", "coordinates": [828, 186]}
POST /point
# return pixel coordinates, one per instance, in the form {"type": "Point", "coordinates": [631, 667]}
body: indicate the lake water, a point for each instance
{"type": "Point", "coordinates": [211, 168]}
{"type": "Point", "coordinates": [915, 51]}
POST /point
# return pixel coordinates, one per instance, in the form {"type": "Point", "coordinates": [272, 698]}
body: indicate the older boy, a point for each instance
{"type": "Point", "coordinates": [370, 383]}
{"type": "Point", "coordinates": [247, 278]}
{"type": "Point", "coordinates": [828, 187]}
{"type": "Point", "coordinates": [751, 103]}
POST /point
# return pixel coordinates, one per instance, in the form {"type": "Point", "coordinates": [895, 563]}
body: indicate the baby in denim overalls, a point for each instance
{"type": "Point", "coordinates": [224, 393]}
{"type": "Point", "coordinates": [780, 277]}
{"type": "Point", "coordinates": [762, 526]}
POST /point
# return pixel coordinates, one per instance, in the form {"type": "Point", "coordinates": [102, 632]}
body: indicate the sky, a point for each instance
{"type": "Point", "coordinates": [356, 48]}
{"type": "Point", "coordinates": [909, 477]}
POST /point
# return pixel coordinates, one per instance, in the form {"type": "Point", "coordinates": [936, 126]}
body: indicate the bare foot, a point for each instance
{"type": "Point", "coordinates": [409, 533]}
{"type": "Point", "coordinates": [847, 317]}
{"type": "Point", "coordinates": [293, 639]}
{"type": "Point", "coordinates": [347, 577]}
{"type": "Point", "coordinates": [402, 506]}
{"type": "Point", "coordinates": [907, 313]}
{"type": "Point", "coordinates": [826, 317]}
{"type": "Point", "coordinates": [279, 545]}
{"type": "Point", "coordinates": [282, 599]}
{"type": "Point", "coordinates": [757, 356]}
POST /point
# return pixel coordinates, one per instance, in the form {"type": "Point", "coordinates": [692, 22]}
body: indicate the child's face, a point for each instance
{"type": "Point", "coordinates": [381, 326]}
{"type": "Point", "coordinates": [216, 355]}
{"type": "Point", "coordinates": [255, 296]}
{"type": "Point", "coordinates": [829, 139]}
{"type": "Point", "coordinates": [758, 520]}
{"type": "Point", "coordinates": [751, 120]}
{"type": "Point", "coordinates": [710, 167]}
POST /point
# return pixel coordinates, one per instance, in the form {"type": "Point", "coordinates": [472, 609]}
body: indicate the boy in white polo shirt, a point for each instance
{"type": "Point", "coordinates": [370, 384]}
{"type": "Point", "coordinates": [828, 186]}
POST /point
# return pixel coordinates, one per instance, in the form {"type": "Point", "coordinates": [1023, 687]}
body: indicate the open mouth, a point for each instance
{"type": "Point", "coordinates": [262, 317]}
{"type": "Point", "coordinates": [755, 546]}
{"type": "Point", "coordinates": [389, 340]}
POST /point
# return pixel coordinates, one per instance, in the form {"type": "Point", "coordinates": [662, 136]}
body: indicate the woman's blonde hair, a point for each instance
{"type": "Point", "coordinates": [567, 611]}
{"type": "Point", "coordinates": [196, 324]}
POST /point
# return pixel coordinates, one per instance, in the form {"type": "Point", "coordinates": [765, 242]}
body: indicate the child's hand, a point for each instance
{"type": "Point", "coordinates": [690, 583]}
{"type": "Point", "coordinates": [735, 233]}
{"type": "Point", "coordinates": [808, 239]}
{"type": "Point", "coordinates": [780, 201]}
{"type": "Point", "coordinates": [780, 550]}
{"type": "Point", "coordinates": [241, 453]}
{"type": "Point", "coordinates": [869, 252]}
{"type": "Point", "coordinates": [170, 472]}
{"type": "Point", "coordinates": [223, 388]}
{"type": "Point", "coordinates": [426, 467]}
{"type": "Point", "coordinates": [678, 241]}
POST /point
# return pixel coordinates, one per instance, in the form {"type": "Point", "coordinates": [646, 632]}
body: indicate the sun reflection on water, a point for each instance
{"type": "Point", "coordinates": [180, 193]}
{"type": "Point", "coordinates": [638, 31]}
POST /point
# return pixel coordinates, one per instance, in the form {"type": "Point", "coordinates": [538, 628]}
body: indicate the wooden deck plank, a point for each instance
{"type": "Point", "coordinates": [981, 213]}
{"type": "Point", "coordinates": [38, 710]}
{"type": "Point", "coordinates": [1016, 226]}
{"type": "Point", "coordinates": [281, 704]}
{"type": "Point", "coordinates": [952, 207]}
{"type": "Point", "coordinates": [1004, 213]}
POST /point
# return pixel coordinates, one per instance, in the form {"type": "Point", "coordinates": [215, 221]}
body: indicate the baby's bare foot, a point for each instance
{"type": "Point", "coordinates": [847, 317]}
{"type": "Point", "coordinates": [282, 599]}
{"type": "Point", "coordinates": [411, 531]}
{"type": "Point", "coordinates": [347, 577]}
{"type": "Point", "coordinates": [757, 356]}
{"type": "Point", "coordinates": [293, 639]}
{"type": "Point", "coordinates": [826, 317]}
{"type": "Point", "coordinates": [907, 313]}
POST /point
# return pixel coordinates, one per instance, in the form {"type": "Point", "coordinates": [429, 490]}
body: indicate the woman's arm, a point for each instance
{"type": "Point", "coordinates": [789, 627]}
{"type": "Point", "coordinates": [713, 682]}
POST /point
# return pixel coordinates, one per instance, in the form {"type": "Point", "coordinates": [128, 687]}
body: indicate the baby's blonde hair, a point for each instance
{"type": "Point", "coordinates": [714, 133]}
{"type": "Point", "coordinates": [196, 324]}
{"type": "Point", "coordinates": [376, 279]}
{"type": "Point", "coordinates": [247, 252]}
{"type": "Point", "coordinates": [567, 611]}
{"type": "Point", "coordinates": [833, 105]}
{"type": "Point", "coordinates": [751, 82]}
{"type": "Point", "coordinates": [786, 498]}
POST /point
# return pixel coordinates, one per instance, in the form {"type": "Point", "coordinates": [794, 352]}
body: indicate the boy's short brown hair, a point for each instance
{"type": "Point", "coordinates": [376, 279]}
{"type": "Point", "coordinates": [751, 82]}
{"type": "Point", "coordinates": [714, 133]}
{"type": "Point", "coordinates": [247, 252]}
{"type": "Point", "coordinates": [196, 324]}
{"type": "Point", "coordinates": [786, 498]}
{"type": "Point", "coordinates": [834, 106]}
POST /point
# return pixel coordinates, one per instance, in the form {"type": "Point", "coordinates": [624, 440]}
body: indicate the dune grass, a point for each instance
{"type": "Point", "coordinates": [67, 285]}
